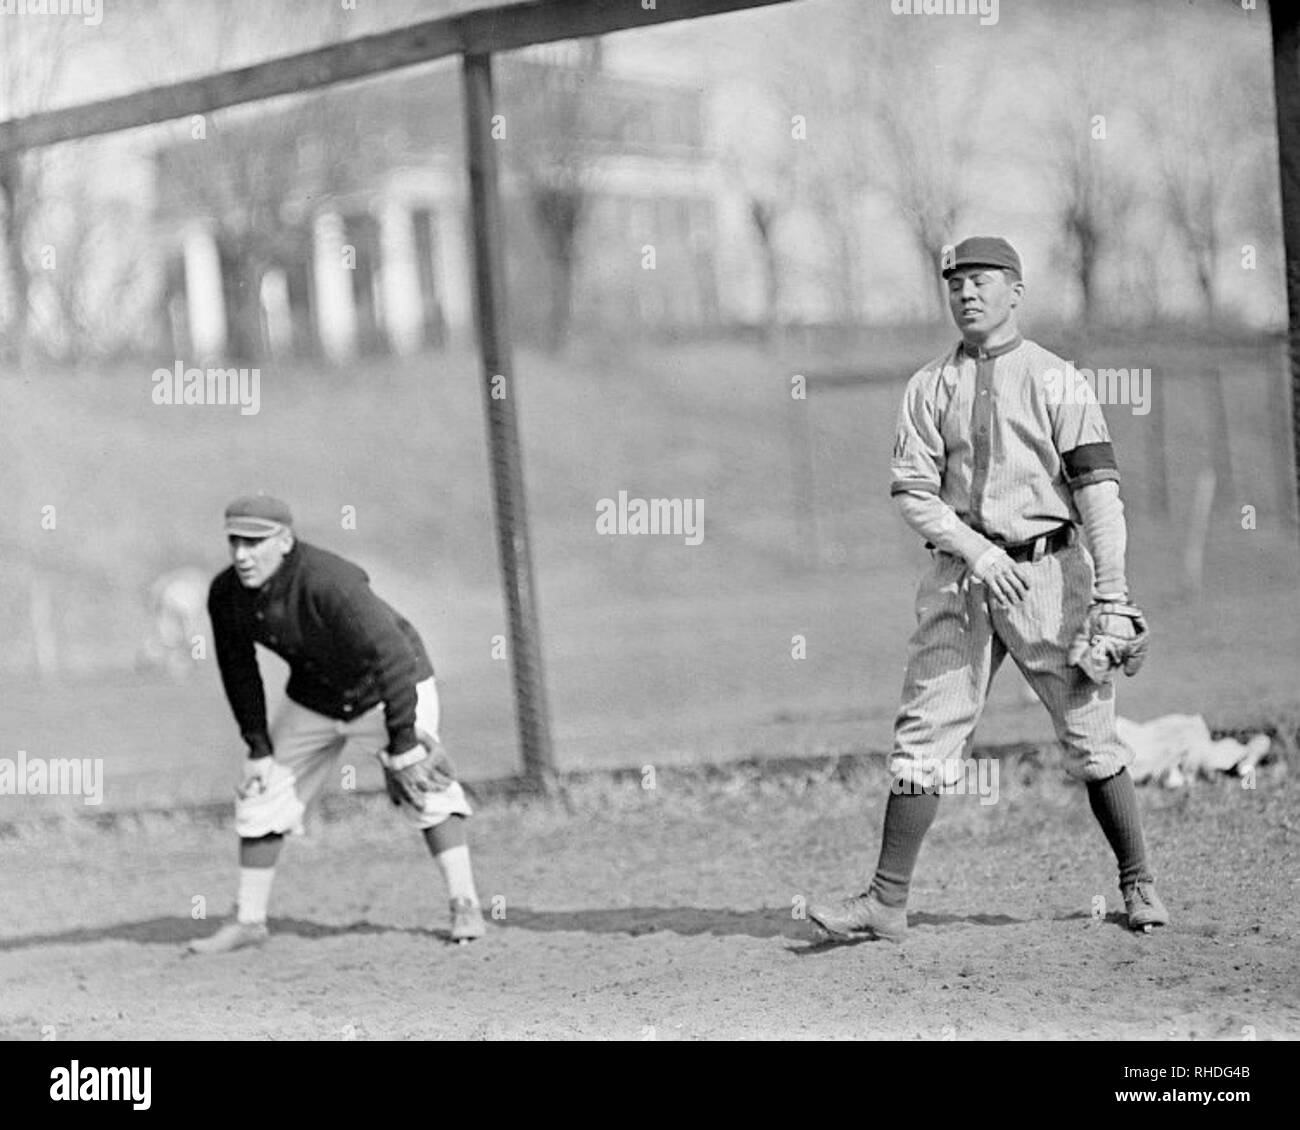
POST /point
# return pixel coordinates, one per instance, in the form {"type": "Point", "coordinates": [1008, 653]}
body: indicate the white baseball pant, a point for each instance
{"type": "Point", "coordinates": [308, 747]}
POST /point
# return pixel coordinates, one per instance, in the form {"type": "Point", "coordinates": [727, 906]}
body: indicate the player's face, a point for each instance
{"type": "Point", "coordinates": [982, 301]}
{"type": "Point", "coordinates": [257, 559]}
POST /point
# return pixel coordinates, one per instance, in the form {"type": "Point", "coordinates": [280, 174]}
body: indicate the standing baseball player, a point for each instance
{"type": "Point", "coordinates": [358, 674]}
{"type": "Point", "coordinates": [996, 463]}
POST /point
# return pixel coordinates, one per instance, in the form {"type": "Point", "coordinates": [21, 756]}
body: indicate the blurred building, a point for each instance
{"type": "Point", "coordinates": [338, 224]}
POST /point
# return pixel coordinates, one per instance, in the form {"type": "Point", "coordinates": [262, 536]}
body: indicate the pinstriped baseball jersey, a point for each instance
{"type": "Point", "coordinates": [1001, 438]}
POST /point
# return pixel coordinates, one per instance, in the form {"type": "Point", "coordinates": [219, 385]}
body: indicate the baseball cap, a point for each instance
{"type": "Point", "coordinates": [257, 516]}
{"type": "Point", "coordinates": [982, 251]}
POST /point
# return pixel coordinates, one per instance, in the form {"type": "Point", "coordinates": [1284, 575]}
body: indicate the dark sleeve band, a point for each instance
{"type": "Point", "coordinates": [1089, 458]}
{"type": "Point", "coordinates": [1101, 475]}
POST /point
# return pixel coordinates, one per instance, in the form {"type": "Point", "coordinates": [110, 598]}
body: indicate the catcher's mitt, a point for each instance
{"type": "Point", "coordinates": [417, 772]}
{"type": "Point", "coordinates": [1114, 635]}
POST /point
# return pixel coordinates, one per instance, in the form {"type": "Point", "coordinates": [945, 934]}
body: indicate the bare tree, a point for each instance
{"type": "Point", "coordinates": [926, 104]}
{"type": "Point", "coordinates": [249, 170]}
{"type": "Point", "coordinates": [1083, 151]}
{"type": "Point", "coordinates": [1207, 135]}
{"type": "Point", "coordinates": [837, 166]}
{"type": "Point", "coordinates": [773, 129]}
{"type": "Point", "coordinates": [33, 57]}
{"type": "Point", "coordinates": [243, 178]}
{"type": "Point", "coordinates": [765, 209]}
{"type": "Point", "coordinates": [1091, 202]}
{"type": "Point", "coordinates": [246, 176]}
{"type": "Point", "coordinates": [764, 177]}
{"type": "Point", "coordinates": [808, 146]}
{"type": "Point", "coordinates": [559, 125]}
{"type": "Point", "coordinates": [99, 279]}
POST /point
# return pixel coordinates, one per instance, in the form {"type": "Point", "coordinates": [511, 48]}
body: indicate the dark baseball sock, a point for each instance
{"type": "Point", "coordinates": [260, 851]}
{"type": "Point", "coordinates": [449, 834]}
{"type": "Point", "coordinates": [908, 817]}
{"type": "Point", "coordinates": [1114, 804]}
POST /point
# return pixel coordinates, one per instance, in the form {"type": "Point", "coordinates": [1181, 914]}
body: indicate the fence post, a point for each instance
{"type": "Point", "coordinates": [500, 392]}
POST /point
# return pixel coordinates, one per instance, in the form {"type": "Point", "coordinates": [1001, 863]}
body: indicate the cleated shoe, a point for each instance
{"type": "Point", "coordinates": [1144, 906]}
{"type": "Point", "coordinates": [466, 921]}
{"type": "Point", "coordinates": [232, 936]}
{"type": "Point", "coordinates": [860, 915]}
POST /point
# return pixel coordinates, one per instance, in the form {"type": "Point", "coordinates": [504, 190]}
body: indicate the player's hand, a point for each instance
{"type": "Point", "coordinates": [257, 776]}
{"type": "Point", "coordinates": [1007, 581]}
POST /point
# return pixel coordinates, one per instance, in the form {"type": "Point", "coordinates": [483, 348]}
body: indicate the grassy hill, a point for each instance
{"type": "Point", "coordinates": [654, 648]}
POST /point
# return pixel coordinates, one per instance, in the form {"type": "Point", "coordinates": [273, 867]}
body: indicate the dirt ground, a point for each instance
{"type": "Point", "coordinates": [673, 912]}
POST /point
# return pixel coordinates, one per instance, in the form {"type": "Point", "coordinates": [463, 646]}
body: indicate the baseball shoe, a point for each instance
{"type": "Point", "coordinates": [860, 914]}
{"type": "Point", "coordinates": [232, 936]}
{"type": "Point", "coordinates": [466, 921]}
{"type": "Point", "coordinates": [1144, 906]}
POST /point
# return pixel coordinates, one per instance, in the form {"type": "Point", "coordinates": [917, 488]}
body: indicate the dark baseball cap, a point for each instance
{"type": "Point", "coordinates": [982, 251]}
{"type": "Point", "coordinates": [257, 516]}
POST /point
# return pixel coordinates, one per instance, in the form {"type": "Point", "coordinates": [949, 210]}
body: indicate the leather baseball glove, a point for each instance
{"type": "Point", "coordinates": [424, 769]}
{"type": "Point", "coordinates": [1114, 635]}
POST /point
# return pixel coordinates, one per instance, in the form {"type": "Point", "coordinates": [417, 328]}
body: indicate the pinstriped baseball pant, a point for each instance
{"type": "Point", "coordinates": [960, 641]}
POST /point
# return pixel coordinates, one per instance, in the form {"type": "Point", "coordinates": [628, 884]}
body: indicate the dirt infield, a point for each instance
{"type": "Point", "coordinates": [673, 913]}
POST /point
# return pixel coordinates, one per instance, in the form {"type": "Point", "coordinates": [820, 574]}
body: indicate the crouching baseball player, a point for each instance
{"type": "Point", "coordinates": [996, 463]}
{"type": "Point", "coordinates": [359, 674]}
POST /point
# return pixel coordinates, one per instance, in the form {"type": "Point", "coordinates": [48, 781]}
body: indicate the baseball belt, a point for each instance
{"type": "Point", "coordinates": [1041, 546]}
